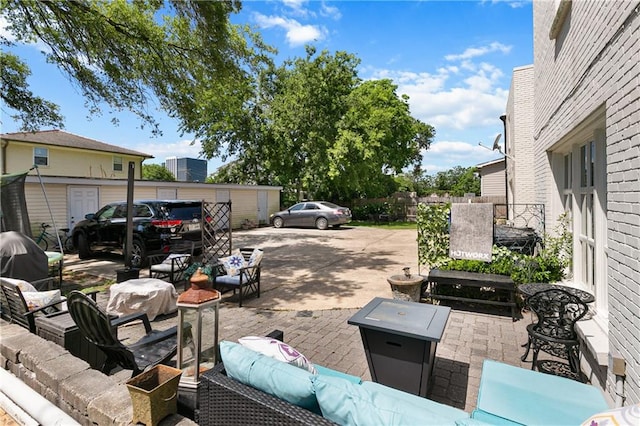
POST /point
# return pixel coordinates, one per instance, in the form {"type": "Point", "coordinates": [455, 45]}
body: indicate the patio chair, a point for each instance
{"type": "Point", "coordinates": [240, 273]}
{"type": "Point", "coordinates": [554, 332]}
{"type": "Point", "coordinates": [156, 347]}
{"type": "Point", "coordinates": [170, 267]}
{"type": "Point", "coordinates": [16, 309]}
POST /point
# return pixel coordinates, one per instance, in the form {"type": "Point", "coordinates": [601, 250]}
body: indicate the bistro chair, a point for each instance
{"type": "Point", "coordinates": [170, 267]}
{"type": "Point", "coordinates": [239, 272]}
{"type": "Point", "coordinates": [554, 332]}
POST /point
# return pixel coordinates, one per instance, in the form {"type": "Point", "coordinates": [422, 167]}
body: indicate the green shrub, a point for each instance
{"type": "Point", "coordinates": [549, 265]}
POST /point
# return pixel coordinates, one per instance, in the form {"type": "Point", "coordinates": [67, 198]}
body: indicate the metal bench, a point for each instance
{"type": "Point", "coordinates": [438, 277]}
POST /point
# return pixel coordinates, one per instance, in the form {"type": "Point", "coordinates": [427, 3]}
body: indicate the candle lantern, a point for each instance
{"type": "Point", "coordinates": [197, 336]}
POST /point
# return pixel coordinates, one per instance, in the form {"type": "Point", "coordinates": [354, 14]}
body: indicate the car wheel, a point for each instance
{"type": "Point", "coordinates": [322, 223]}
{"type": "Point", "coordinates": [84, 252]}
{"type": "Point", "coordinates": [138, 253]}
{"type": "Point", "coordinates": [278, 222]}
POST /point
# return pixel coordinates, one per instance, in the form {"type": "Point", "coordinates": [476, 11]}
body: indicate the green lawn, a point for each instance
{"type": "Point", "coordinates": [384, 225]}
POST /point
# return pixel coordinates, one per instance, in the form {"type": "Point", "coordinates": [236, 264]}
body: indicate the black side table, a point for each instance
{"type": "Point", "coordinates": [400, 340]}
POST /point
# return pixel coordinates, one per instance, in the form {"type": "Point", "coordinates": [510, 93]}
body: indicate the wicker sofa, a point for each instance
{"type": "Point", "coordinates": [278, 393]}
{"type": "Point", "coordinates": [225, 401]}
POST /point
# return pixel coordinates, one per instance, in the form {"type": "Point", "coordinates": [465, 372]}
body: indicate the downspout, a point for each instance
{"type": "Point", "coordinates": [3, 166]}
{"type": "Point", "coordinates": [503, 117]}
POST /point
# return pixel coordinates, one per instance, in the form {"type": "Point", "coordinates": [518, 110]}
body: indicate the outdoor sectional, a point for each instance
{"type": "Point", "coordinates": [250, 388]}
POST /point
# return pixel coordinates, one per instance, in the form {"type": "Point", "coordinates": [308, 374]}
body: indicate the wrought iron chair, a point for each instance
{"type": "Point", "coordinates": [246, 282]}
{"type": "Point", "coordinates": [156, 347]}
{"type": "Point", "coordinates": [14, 308]}
{"type": "Point", "coordinates": [170, 267]}
{"type": "Point", "coordinates": [554, 332]}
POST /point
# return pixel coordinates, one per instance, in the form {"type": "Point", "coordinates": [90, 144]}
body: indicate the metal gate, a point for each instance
{"type": "Point", "coordinates": [216, 230]}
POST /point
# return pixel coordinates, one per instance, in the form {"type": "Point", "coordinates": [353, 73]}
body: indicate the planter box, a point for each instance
{"type": "Point", "coordinates": [154, 394]}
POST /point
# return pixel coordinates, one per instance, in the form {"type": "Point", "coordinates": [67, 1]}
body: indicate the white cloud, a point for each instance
{"type": "Point", "coordinates": [162, 150]}
{"type": "Point", "coordinates": [473, 52]}
{"type": "Point", "coordinates": [444, 155]}
{"type": "Point", "coordinates": [472, 102]}
{"type": "Point", "coordinates": [296, 33]}
{"type": "Point", "coordinates": [330, 11]}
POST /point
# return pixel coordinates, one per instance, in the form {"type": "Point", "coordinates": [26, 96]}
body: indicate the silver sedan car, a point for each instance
{"type": "Point", "coordinates": [320, 214]}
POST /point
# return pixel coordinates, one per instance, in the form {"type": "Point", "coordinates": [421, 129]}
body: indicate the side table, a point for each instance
{"type": "Point", "coordinates": [400, 340]}
{"type": "Point", "coordinates": [529, 289]}
{"type": "Point", "coordinates": [61, 329]}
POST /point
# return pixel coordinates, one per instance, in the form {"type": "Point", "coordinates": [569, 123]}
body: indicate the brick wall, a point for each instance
{"type": "Point", "coordinates": [87, 395]}
{"type": "Point", "coordinates": [520, 108]}
{"type": "Point", "coordinates": [593, 64]}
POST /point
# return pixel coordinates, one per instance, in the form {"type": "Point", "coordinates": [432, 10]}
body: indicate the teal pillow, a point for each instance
{"type": "Point", "coordinates": [334, 373]}
{"type": "Point", "coordinates": [346, 403]}
{"type": "Point", "coordinates": [284, 381]}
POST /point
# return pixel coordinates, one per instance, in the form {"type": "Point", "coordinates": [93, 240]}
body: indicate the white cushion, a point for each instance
{"type": "Point", "coordinates": [256, 257]}
{"type": "Point", "coordinates": [38, 299]}
{"type": "Point", "coordinates": [629, 415]}
{"type": "Point", "coordinates": [22, 284]}
{"type": "Point", "coordinates": [233, 263]}
{"type": "Point", "coordinates": [276, 349]}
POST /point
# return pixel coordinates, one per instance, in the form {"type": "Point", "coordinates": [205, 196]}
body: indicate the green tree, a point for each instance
{"type": "Point", "coordinates": [183, 56]}
{"type": "Point", "coordinates": [157, 172]}
{"type": "Point", "coordinates": [322, 133]}
{"type": "Point", "coordinates": [377, 138]}
{"type": "Point", "coordinates": [456, 182]}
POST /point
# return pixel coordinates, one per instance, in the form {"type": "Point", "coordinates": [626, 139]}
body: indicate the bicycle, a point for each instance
{"type": "Point", "coordinates": [43, 239]}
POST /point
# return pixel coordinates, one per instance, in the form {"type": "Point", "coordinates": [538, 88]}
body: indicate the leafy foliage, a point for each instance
{"type": "Point", "coordinates": [433, 234]}
{"type": "Point", "coordinates": [321, 133]}
{"type": "Point", "coordinates": [184, 56]}
{"type": "Point", "coordinates": [549, 265]}
{"type": "Point", "coordinates": [157, 172]}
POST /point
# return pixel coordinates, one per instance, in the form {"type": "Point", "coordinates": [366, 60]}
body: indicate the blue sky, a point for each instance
{"type": "Point", "coordinates": [453, 58]}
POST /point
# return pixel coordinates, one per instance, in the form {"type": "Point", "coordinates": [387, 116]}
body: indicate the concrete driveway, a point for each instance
{"type": "Point", "coordinates": [309, 269]}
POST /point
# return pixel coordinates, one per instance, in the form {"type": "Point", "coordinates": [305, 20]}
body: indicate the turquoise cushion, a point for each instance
{"type": "Point", "coordinates": [346, 403]}
{"type": "Point", "coordinates": [334, 373]}
{"type": "Point", "coordinates": [484, 417]}
{"type": "Point", "coordinates": [530, 397]}
{"type": "Point", "coordinates": [473, 422]}
{"type": "Point", "coordinates": [269, 375]}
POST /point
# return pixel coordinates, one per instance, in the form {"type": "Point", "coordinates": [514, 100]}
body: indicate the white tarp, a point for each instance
{"type": "Point", "coordinates": [150, 295]}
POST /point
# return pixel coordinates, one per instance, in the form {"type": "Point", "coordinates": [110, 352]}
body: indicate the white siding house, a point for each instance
{"type": "Point", "coordinates": [585, 144]}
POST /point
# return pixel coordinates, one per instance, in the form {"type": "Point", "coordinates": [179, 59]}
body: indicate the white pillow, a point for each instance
{"type": "Point", "coordinates": [278, 350]}
{"type": "Point", "coordinates": [629, 415]}
{"type": "Point", "coordinates": [232, 264]}
{"type": "Point", "coordinates": [37, 299]}
{"type": "Point", "coordinates": [22, 284]}
{"type": "Point", "coordinates": [256, 257]}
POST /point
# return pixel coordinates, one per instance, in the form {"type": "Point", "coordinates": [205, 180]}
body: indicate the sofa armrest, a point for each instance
{"type": "Point", "coordinates": [224, 401]}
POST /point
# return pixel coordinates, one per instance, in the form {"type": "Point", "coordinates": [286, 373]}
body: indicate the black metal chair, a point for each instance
{"type": "Point", "coordinates": [156, 347]}
{"type": "Point", "coordinates": [554, 332]}
{"type": "Point", "coordinates": [246, 283]}
{"type": "Point", "coordinates": [172, 266]}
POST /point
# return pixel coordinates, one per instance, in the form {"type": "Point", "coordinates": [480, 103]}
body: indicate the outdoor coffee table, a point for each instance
{"type": "Point", "coordinates": [150, 295]}
{"type": "Point", "coordinates": [400, 339]}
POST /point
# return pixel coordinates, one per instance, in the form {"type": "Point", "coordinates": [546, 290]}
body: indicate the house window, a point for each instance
{"type": "Point", "coordinates": [117, 164]}
{"type": "Point", "coordinates": [587, 208]}
{"type": "Point", "coordinates": [41, 156]}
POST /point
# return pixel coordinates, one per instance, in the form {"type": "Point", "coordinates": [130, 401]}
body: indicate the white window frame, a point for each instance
{"type": "Point", "coordinates": [116, 163]}
{"type": "Point", "coordinates": [37, 154]}
{"type": "Point", "coordinates": [589, 217]}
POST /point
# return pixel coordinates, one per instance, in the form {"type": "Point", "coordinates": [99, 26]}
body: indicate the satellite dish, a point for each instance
{"type": "Point", "coordinates": [496, 144]}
